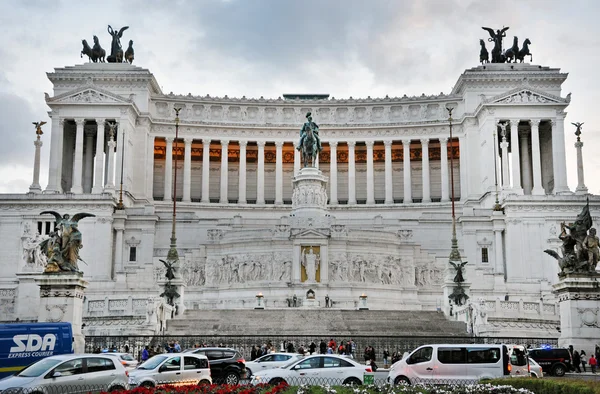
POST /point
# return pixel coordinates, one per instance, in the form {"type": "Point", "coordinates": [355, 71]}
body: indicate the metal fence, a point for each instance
{"type": "Point", "coordinates": [244, 343]}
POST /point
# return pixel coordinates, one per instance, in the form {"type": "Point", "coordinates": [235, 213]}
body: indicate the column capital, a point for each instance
{"type": "Point", "coordinates": [406, 142]}
{"type": "Point", "coordinates": [61, 121]}
{"type": "Point", "coordinates": [100, 121]}
{"type": "Point", "coordinates": [261, 144]}
{"type": "Point", "coordinates": [333, 144]}
{"type": "Point", "coordinates": [534, 122]}
{"type": "Point", "coordinates": [224, 143]}
{"type": "Point", "coordinates": [369, 144]}
{"type": "Point", "coordinates": [351, 144]}
{"type": "Point", "coordinates": [425, 141]}
{"type": "Point", "coordinates": [243, 143]}
{"type": "Point", "coordinates": [79, 122]}
{"type": "Point", "coordinates": [205, 141]}
{"type": "Point", "coordinates": [514, 122]}
{"type": "Point", "coordinates": [388, 143]}
{"type": "Point", "coordinates": [444, 141]}
{"type": "Point", "coordinates": [554, 121]}
{"type": "Point", "coordinates": [279, 144]}
{"type": "Point", "coordinates": [188, 140]}
{"type": "Point", "coordinates": [169, 140]}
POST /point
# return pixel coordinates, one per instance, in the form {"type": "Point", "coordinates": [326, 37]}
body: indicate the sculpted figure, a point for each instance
{"type": "Point", "coordinates": [458, 278]}
{"type": "Point", "coordinates": [170, 273]}
{"type": "Point", "coordinates": [116, 51]}
{"type": "Point", "coordinates": [98, 53]}
{"type": "Point", "coordinates": [310, 142]}
{"type": "Point", "coordinates": [129, 53]}
{"type": "Point", "coordinates": [310, 263]}
{"type": "Point", "coordinates": [496, 38]}
{"type": "Point", "coordinates": [590, 244]}
{"type": "Point", "coordinates": [62, 247]}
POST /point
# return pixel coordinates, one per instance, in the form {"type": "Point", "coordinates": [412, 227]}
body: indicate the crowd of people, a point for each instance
{"type": "Point", "coordinates": [580, 359]}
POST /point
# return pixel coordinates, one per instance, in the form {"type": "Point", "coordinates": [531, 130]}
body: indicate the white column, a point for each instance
{"type": "Point", "coordinates": [260, 173]}
{"type": "Point", "coordinates": [389, 183]}
{"type": "Point", "coordinates": [581, 188]}
{"type": "Point", "coordinates": [516, 162]}
{"type": "Point", "coordinates": [444, 168]}
{"type": "Point", "coordinates": [88, 173]}
{"type": "Point", "coordinates": [150, 170]}
{"type": "Point", "coordinates": [351, 174]}
{"type": "Point", "coordinates": [119, 228]}
{"type": "Point", "coordinates": [187, 170]}
{"type": "Point", "coordinates": [56, 155]}
{"type": "Point", "coordinates": [505, 166]}
{"type": "Point", "coordinates": [536, 158]}
{"type": "Point", "coordinates": [279, 172]}
{"type": "Point", "coordinates": [463, 166]}
{"type": "Point", "coordinates": [242, 173]}
{"type": "Point", "coordinates": [333, 198]}
{"type": "Point", "coordinates": [205, 170]}
{"type": "Point", "coordinates": [78, 162]}
{"type": "Point", "coordinates": [407, 171]}
{"type": "Point", "coordinates": [35, 185]}
{"type": "Point", "coordinates": [99, 171]}
{"type": "Point", "coordinates": [168, 169]}
{"type": "Point", "coordinates": [499, 252]}
{"type": "Point", "coordinates": [224, 198]}
{"type": "Point", "coordinates": [296, 159]}
{"type": "Point", "coordinates": [110, 160]}
{"type": "Point", "coordinates": [558, 155]}
{"type": "Point", "coordinates": [370, 177]}
{"type": "Point", "coordinates": [527, 182]}
{"type": "Point", "coordinates": [425, 170]}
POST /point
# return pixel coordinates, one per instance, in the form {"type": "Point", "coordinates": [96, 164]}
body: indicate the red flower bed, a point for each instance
{"type": "Point", "coordinates": [209, 389]}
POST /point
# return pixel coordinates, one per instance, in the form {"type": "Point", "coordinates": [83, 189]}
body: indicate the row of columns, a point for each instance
{"type": "Point", "coordinates": [88, 172]}
{"type": "Point", "coordinates": [521, 160]}
{"type": "Point", "coordinates": [333, 195]}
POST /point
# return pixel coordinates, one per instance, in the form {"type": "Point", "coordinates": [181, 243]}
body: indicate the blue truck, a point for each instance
{"type": "Point", "coordinates": [22, 344]}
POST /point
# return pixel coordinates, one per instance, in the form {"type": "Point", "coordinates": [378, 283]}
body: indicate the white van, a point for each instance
{"type": "Point", "coordinates": [451, 363]}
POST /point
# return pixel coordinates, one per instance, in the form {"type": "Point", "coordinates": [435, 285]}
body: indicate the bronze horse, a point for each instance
{"type": "Point", "coordinates": [86, 50]}
{"type": "Point", "coordinates": [98, 53]}
{"type": "Point", "coordinates": [524, 52]}
{"type": "Point", "coordinates": [511, 53]}
{"type": "Point", "coordinates": [484, 56]}
{"type": "Point", "coordinates": [309, 148]}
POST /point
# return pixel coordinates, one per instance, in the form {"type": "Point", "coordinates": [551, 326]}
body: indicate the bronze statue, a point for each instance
{"type": "Point", "coordinates": [38, 128]}
{"type": "Point", "coordinates": [525, 52]}
{"type": "Point", "coordinates": [129, 53]}
{"type": "Point", "coordinates": [116, 51]}
{"type": "Point", "coordinates": [458, 278]}
{"type": "Point", "coordinates": [511, 53]}
{"type": "Point", "coordinates": [62, 247]}
{"type": "Point", "coordinates": [310, 143]}
{"type": "Point", "coordinates": [496, 38]}
{"type": "Point", "coordinates": [578, 131]}
{"type": "Point", "coordinates": [484, 56]}
{"type": "Point", "coordinates": [579, 249]}
{"type": "Point", "coordinates": [86, 50]}
{"type": "Point", "coordinates": [458, 296]}
{"type": "Point", "coordinates": [170, 273]}
{"type": "Point", "coordinates": [170, 293]}
{"type": "Point", "coordinates": [98, 53]}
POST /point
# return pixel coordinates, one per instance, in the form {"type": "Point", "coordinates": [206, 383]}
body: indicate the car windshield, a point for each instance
{"type": "Point", "coordinates": [289, 365]}
{"type": "Point", "coordinates": [153, 362]}
{"type": "Point", "coordinates": [35, 370]}
{"type": "Point", "coordinates": [127, 357]}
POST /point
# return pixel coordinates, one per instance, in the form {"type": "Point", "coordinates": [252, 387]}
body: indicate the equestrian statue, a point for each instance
{"type": "Point", "coordinates": [511, 55]}
{"type": "Point", "coordinates": [310, 142]}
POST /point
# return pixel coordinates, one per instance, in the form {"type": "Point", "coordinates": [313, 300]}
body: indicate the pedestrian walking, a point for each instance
{"type": "Point", "coordinates": [386, 357]}
{"type": "Point", "coordinates": [145, 354]}
{"type": "Point", "coordinates": [576, 361]}
{"type": "Point", "coordinates": [593, 363]}
{"type": "Point", "coordinates": [583, 359]}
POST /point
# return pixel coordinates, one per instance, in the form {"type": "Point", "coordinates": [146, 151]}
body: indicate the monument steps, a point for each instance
{"type": "Point", "coordinates": [321, 322]}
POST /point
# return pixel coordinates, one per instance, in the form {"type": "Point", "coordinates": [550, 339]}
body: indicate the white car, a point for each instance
{"type": "Point", "coordinates": [172, 369]}
{"type": "Point", "coordinates": [126, 359]}
{"type": "Point", "coordinates": [270, 361]}
{"type": "Point", "coordinates": [535, 369]}
{"type": "Point", "coordinates": [318, 369]}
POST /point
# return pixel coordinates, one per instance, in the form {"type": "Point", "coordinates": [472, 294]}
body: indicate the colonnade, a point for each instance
{"type": "Point", "coordinates": [333, 174]}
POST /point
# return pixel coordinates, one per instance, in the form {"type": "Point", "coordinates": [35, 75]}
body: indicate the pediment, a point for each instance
{"type": "Point", "coordinates": [310, 233]}
{"type": "Point", "coordinates": [88, 95]}
{"type": "Point", "coordinates": [527, 96]}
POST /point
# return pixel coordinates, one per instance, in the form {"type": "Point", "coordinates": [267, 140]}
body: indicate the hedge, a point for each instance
{"type": "Point", "coordinates": [552, 386]}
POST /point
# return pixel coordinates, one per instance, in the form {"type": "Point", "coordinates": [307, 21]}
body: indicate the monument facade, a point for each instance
{"type": "Point", "coordinates": [347, 197]}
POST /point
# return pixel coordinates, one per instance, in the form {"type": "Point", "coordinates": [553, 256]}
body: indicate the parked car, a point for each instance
{"type": "Point", "coordinates": [126, 359]}
{"type": "Point", "coordinates": [72, 373]}
{"type": "Point", "coordinates": [554, 361]}
{"type": "Point", "coordinates": [171, 368]}
{"type": "Point", "coordinates": [270, 361]}
{"type": "Point", "coordinates": [518, 360]}
{"type": "Point", "coordinates": [451, 362]}
{"type": "Point", "coordinates": [318, 369]}
{"type": "Point", "coordinates": [535, 369]}
{"type": "Point", "coordinates": [226, 365]}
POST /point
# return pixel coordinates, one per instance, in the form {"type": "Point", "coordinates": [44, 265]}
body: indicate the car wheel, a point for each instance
{"type": "Point", "coordinates": [148, 385]}
{"type": "Point", "coordinates": [203, 382]}
{"type": "Point", "coordinates": [248, 373]}
{"type": "Point", "coordinates": [533, 375]}
{"type": "Point", "coordinates": [401, 380]}
{"type": "Point", "coordinates": [276, 381]}
{"type": "Point", "coordinates": [232, 378]}
{"type": "Point", "coordinates": [116, 388]}
{"type": "Point", "coordinates": [559, 370]}
{"type": "Point", "coordinates": [352, 382]}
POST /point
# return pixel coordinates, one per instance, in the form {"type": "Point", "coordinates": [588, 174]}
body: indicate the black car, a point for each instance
{"type": "Point", "coordinates": [553, 361]}
{"type": "Point", "coordinates": [226, 365]}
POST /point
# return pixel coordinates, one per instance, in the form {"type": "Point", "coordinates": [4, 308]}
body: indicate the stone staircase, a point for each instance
{"type": "Point", "coordinates": [320, 322]}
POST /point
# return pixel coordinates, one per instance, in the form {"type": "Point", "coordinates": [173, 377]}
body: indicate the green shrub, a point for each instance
{"type": "Point", "coordinates": [552, 386]}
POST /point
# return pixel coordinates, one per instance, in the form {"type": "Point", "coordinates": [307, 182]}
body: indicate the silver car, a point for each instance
{"type": "Point", "coordinates": [171, 368]}
{"type": "Point", "coordinates": [126, 359]}
{"type": "Point", "coordinates": [69, 374]}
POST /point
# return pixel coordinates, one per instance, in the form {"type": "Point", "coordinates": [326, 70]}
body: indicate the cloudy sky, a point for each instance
{"type": "Point", "coordinates": [265, 48]}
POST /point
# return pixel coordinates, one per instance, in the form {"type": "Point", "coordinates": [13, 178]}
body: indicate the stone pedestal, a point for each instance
{"type": "Point", "coordinates": [310, 303]}
{"type": "Point", "coordinates": [579, 301]}
{"type": "Point", "coordinates": [61, 300]}
{"type": "Point", "coordinates": [309, 198]}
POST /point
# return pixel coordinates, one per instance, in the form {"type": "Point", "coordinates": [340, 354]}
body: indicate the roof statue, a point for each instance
{"type": "Point", "coordinates": [38, 128]}
{"type": "Point", "coordinates": [580, 244]}
{"type": "Point", "coordinates": [116, 50]}
{"type": "Point", "coordinates": [62, 247]}
{"type": "Point", "coordinates": [511, 55]}
{"type": "Point", "coordinates": [310, 142]}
